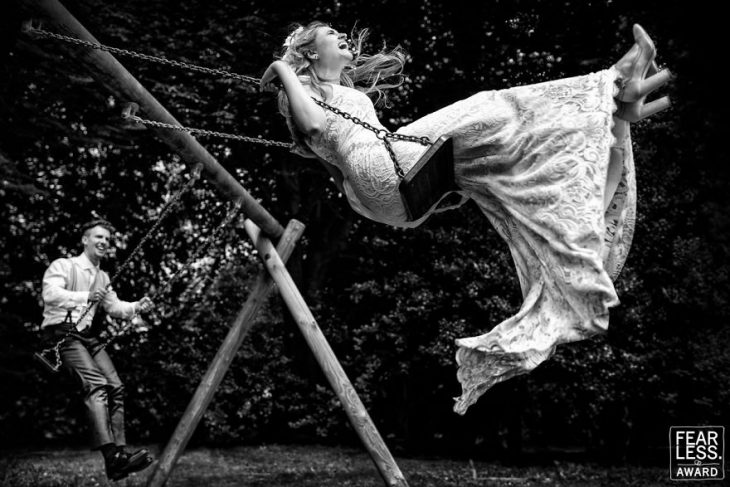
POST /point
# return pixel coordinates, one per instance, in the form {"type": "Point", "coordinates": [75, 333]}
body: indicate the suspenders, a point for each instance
{"type": "Point", "coordinates": [74, 282]}
{"type": "Point", "coordinates": [73, 286]}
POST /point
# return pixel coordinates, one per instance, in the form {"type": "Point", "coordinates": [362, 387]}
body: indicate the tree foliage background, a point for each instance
{"type": "Point", "coordinates": [390, 302]}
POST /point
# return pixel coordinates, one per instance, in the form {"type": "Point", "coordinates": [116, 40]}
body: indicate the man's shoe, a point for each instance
{"type": "Point", "coordinates": [121, 463]}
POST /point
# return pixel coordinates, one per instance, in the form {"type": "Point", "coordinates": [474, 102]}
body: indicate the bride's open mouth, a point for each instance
{"type": "Point", "coordinates": [349, 46]}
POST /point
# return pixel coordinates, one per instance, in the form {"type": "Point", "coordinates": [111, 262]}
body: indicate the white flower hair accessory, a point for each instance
{"type": "Point", "coordinates": [291, 36]}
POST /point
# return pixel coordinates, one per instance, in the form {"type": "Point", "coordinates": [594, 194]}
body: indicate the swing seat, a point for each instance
{"type": "Point", "coordinates": [429, 180]}
{"type": "Point", "coordinates": [45, 363]}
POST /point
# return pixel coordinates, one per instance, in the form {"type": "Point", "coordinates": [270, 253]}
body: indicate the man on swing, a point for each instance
{"type": "Point", "coordinates": [69, 286]}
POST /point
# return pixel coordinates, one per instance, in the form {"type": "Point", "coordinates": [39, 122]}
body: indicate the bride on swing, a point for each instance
{"type": "Point", "coordinates": [550, 165]}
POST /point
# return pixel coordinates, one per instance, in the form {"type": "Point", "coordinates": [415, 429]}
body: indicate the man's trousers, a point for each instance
{"type": "Point", "coordinates": [103, 391]}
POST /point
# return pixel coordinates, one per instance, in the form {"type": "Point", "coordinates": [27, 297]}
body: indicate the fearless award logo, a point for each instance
{"type": "Point", "coordinates": [697, 452]}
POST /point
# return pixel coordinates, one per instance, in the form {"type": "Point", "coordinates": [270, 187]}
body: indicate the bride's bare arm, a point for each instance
{"type": "Point", "coordinates": [308, 116]}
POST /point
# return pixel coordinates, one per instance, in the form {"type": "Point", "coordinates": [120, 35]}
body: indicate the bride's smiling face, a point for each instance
{"type": "Point", "coordinates": [331, 46]}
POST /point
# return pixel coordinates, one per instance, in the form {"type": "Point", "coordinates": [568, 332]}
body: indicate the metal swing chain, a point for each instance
{"type": "Point", "coordinates": [212, 133]}
{"type": "Point", "coordinates": [381, 133]}
{"type": "Point", "coordinates": [177, 64]}
{"type": "Point", "coordinates": [145, 57]}
{"type": "Point", "coordinates": [174, 201]}
{"type": "Point", "coordinates": [232, 213]}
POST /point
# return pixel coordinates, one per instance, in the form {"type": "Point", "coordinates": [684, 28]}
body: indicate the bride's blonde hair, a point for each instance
{"type": "Point", "coordinates": [371, 74]}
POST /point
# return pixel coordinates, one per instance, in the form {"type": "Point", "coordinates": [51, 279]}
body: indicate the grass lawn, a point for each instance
{"type": "Point", "coordinates": [310, 466]}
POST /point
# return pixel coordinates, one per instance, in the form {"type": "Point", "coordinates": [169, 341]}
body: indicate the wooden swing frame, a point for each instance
{"type": "Point", "coordinates": [261, 227]}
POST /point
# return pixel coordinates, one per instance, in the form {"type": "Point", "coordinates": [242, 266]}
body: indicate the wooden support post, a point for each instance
{"type": "Point", "coordinates": [356, 412]}
{"type": "Point", "coordinates": [109, 72]}
{"type": "Point", "coordinates": [222, 361]}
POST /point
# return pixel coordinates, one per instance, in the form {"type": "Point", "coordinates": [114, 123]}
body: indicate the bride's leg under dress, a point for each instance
{"type": "Point", "coordinates": [566, 211]}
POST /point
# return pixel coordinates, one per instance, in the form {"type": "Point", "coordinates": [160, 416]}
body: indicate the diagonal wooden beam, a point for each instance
{"type": "Point", "coordinates": [107, 70]}
{"type": "Point", "coordinates": [110, 72]}
{"type": "Point", "coordinates": [355, 409]}
{"type": "Point", "coordinates": [222, 361]}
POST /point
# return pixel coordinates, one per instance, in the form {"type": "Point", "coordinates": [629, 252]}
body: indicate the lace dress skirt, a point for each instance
{"type": "Point", "coordinates": [535, 160]}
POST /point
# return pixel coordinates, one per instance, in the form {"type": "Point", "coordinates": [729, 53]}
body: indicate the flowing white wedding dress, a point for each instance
{"type": "Point", "coordinates": [535, 160]}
